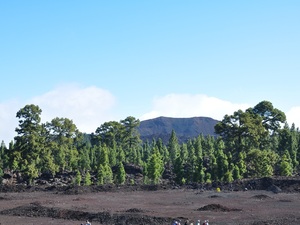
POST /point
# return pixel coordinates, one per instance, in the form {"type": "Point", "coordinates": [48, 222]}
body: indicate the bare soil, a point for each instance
{"type": "Point", "coordinates": [151, 205]}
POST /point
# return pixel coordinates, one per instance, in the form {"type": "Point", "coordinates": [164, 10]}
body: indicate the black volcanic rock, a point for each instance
{"type": "Point", "coordinates": [185, 128]}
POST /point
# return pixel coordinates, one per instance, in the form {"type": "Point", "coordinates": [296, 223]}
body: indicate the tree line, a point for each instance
{"type": "Point", "coordinates": [253, 143]}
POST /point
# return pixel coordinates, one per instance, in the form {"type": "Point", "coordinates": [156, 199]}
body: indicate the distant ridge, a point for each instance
{"type": "Point", "coordinates": [185, 128]}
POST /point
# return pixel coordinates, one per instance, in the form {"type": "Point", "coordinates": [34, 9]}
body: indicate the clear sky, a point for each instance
{"type": "Point", "coordinates": [97, 61]}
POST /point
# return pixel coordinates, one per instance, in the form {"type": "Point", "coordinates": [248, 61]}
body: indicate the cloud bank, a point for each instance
{"type": "Point", "coordinates": [186, 105]}
{"type": "Point", "coordinates": [293, 116]}
{"type": "Point", "coordinates": [8, 120]}
{"type": "Point", "coordinates": [89, 107]}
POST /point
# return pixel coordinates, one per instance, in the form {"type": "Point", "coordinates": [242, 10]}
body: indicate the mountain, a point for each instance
{"type": "Point", "coordinates": [185, 128]}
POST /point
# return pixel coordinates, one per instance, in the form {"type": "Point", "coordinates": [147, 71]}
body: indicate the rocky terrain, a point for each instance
{"type": "Point", "coordinates": [185, 128]}
{"type": "Point", "coordinates": [266, 201]}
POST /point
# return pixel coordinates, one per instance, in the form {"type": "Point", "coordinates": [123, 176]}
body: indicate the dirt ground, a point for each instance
{"type": "Point", "coordinates": [129, 206]}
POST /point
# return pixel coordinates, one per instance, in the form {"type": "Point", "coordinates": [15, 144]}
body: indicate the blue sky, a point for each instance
{"type": "Point", "coordinates": [97, 61]}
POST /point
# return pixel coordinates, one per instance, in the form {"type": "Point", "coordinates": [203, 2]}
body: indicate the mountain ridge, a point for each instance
{"type": "Point", "coordinates": [185, 128]}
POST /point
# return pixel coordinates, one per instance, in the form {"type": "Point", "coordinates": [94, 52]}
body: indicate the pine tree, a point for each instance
{"type": "Point", "coordinates": [100, 175]}
{"type": "Point", "coordinates": [106, 174]}
{"type": "Point", "coordinates": [121, 174]}
{"type": "Point", "coordinates": [190, 162]}
{"type": "Point", "coordinates": [236, 173]}
{"type": "Point", "coordinates": [130, 137]}
{"type": "Point", "coordinates": [28, 147]}
{"type": "Point", "coordinates": [78, 178]}
{"type": "Point", "coordinates": [87, 179]}
{"type": "Point", "coordinates": [120, 155]}
{"type": "Point", "coordinates": [286, 166]}
{"type": "Point", "coordinates": [113, 155]}
{"type": "Point", "coordinates": [173, 147]}
{"type": "Point", "coordinates": [242, 168]}
{"type": "Point", "coordinates": [178, 170]}
{"type": "Point", "coordinates": [155, 166]}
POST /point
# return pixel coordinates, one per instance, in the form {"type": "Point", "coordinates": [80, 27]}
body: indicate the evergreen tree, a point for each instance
{"type": "Point", "coordinates": [213, 168]}
{"type": "Point", "coordinates": [109, 133]}
{"type": "Point", "coordinates": [222, 164]}
{"type": "Point", "coordinates": [120, 155]}
{"type": "Point", "coordinates": [236, 175]}
{"type": "Point", "coordinates": [261, 163]}
{"type": "Point", "coordinates": [63, 135]}
{"type": "Point", "coordinates": [155, 166]}
{"type": "Point", "coordinates": [108, 174]}
{"type": "Point", "coordinates": [293, 150]}
{"type": "Point", "coordinates": [78, 178]}
{"type": "Point", "coordinates": [84, 162]}
{"type": "Point", "coordinates": [146, 151]}
{"type": "Point", "coordinates": [105, 174]}
{"type": "Point", "coordinates": [130, 137]}
{"type": "Point", "coordinates": [199, 170]}
{"type": "Point", "coordinates": [113, 154]}
{"type": "Point", "coordinates": [179, 170]}
{"type": "Point", "coordinates": [208, 177]}
{"type": "Point", "coordinates": [121, 174]}
{"type": "Point", "coordinates": [87, 179]}
{"type": "Point", "coordinates": [5, 155]}
{"type": "Point", "coordinates": [28, 146]}
{"type": "Point", "coordinates": [198, 148]}
{"type": "Point", "coordinates": [100, 175]}
{"type": "Point", "coordinates": [173, 147]}
{"type": "Point", "coordinates": [286, 166]}
{"type": "Point", "coordinates": [190, 162]}
{"type": "Point", "coordinates": [242, 168]}
{"type": "Point", "coordinates": [228, 177]}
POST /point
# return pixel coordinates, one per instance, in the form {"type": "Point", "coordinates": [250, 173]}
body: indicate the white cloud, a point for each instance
{"type": "Point", "coordinates": [293, 116]}
{"type": "Point", "coordinates": [88, 108]}
{"type": "Point", "coordinates": [187, 105]}
{"type": "Point", "coordinates": [8, 120]}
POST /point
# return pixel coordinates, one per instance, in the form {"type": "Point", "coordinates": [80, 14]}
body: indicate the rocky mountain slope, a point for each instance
{"type": "Point", "coordinates": [185, 128]}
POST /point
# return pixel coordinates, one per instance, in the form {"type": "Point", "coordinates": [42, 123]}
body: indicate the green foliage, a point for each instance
{"type": "Point", "coordinates": [121, 174]}
{"type": "Point", "coordinates": [87, 179]}
{"type": "Point", "coordinates": [120, 155]}
{"type": "Point", "coordinates": [29, 142]}
{"type": "Point", "coordinates": [155, 166]}
{"type": "Point", "coordinates": [105, 174]}
{"type": "Point", "coordinates": [110, 134]}
{"type": "Point", "coordinates": [221, 164]}
{"type": "Point", "coordinates": [236, 174]}
{"type": "Point", "coordinates": [228, 176]}
{"type": "Point", "coordinates": [261, 163]}
{"type": "Point", "coordinates": [286, 166]}
{"type": "Point", "coordinates": [272, 118]}
{"type": "Point", "coordinates": [62, 133]}
{"type": "Point", "coordinates": [130, 137]}
{"type": "Point", "coordinates": [173, 147]}
{"type": "Point", "coordinates": [241, 165]}
{"type": "Point", "coordinates": [78, 178]}
{"type": "Point", "coordinates": [251, 144]}
{"type": "Point", "coordinates": [100, 175]}
{"type": "Point", "coordinates": [248, 130]}
{"type": "Point", "coordinates": [183, 181]}
{"type": "Point", "coordinates": [132, 182]}
{"type": "Point", "coordinates": [178, 170]}
{"type": "Point", "coordinates": [208, 178]}
{"type": "Point", "coordinates": [146, 180]}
